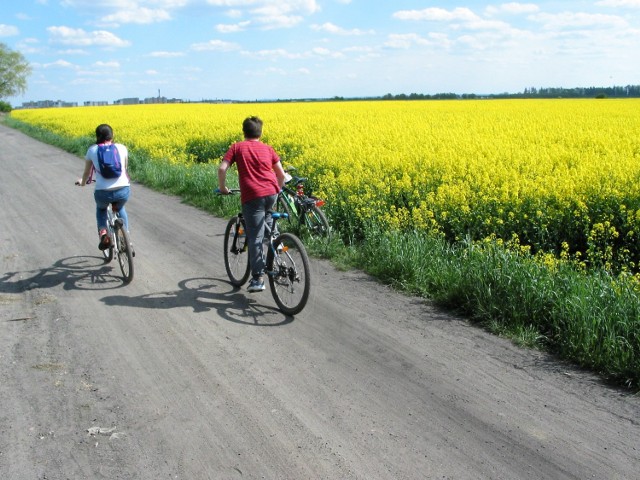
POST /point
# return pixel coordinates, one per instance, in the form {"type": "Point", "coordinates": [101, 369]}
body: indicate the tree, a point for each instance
{"type": "Point", "coordinates": [14, 70]}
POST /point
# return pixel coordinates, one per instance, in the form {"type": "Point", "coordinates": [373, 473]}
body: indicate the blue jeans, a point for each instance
{"type": "Point", "coordinates": [118, 198]}
{"type": "Point", "coordinates": [257, 213]}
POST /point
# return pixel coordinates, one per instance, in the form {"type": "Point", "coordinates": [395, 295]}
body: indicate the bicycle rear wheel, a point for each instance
{"type": "Point", "coordinates": [316, 221]}
{"type": "Point", "coordinates": [125, 255]}
{"type": "Point", "coordinates": [289, 274]}
{"type": "Point", "coordinates": [236, 254]}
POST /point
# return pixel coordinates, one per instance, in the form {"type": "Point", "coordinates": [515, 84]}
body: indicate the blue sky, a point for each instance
{"type": "Point", "coordinates": [104, 50]}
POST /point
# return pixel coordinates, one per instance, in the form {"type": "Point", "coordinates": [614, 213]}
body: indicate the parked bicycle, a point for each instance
{"type": "Point", "coordinates": [287, 263]}
{"type": "Point", "coordinates": [301, 208]}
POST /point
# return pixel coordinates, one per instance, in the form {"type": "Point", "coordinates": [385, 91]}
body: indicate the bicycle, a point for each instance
{"type": "Point", "coordinates": [119, 241]}
{"type": "Point", "coordinates": [287, 264]}
{"type": "Point", "coordinates": [120, 244]}
{"type": "Point", "coordinates": [302, 208]}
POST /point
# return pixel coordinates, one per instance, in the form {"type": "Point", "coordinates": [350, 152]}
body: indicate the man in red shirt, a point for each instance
{"type": "Point", "coordinates": [261, 177]}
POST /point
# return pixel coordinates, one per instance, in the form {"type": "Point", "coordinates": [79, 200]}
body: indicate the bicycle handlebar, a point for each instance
{"type": "Point", "coordinates": [232, 191]}
{"type": "Point", "coordinates": [88, 182]}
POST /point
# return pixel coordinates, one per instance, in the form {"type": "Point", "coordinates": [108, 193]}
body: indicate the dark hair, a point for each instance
{"type": "Point", "coordinates": [252, 127]}
{"type": "Point", "coordinates": [104, 133]}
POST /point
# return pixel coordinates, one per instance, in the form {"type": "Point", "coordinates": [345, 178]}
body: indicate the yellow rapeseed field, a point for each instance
{"type": "Point", "coordinates": [559, 175]}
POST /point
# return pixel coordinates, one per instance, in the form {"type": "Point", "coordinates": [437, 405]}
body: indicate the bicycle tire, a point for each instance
{"type": "Point", "coordinates": [125, 255]}
{"type": "Point", "coordinates": [316, 221]}
{"type": "Point", "coordinates": [236, 254]}
{"type": "Point", "coordinates": [289, 274]}
{"type": "Point", "coordinates": [108, 253]}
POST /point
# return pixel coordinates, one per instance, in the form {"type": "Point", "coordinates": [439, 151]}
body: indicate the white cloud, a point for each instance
{"type": "Point", "coordinates": [111, 64]}
{"type": "Point", "coordinates": [140, 15]}
{"type": "Point", "coordinates": [215, 45]}
{"type": "Point", "coordinates": [166, 54]}
{"type": "Point", "coordinates": [79, 37]}
{"type": "Point", "coordinates": [273, 54]}
{"type": "Point", "coordinates": [567, 20]}
{"type": "Point", "coordinates": [437, 15]}
{"type": "Point", "coordinates": [73, 51]}
{"type": "Point", "coordinates": [60, 64]}
{"type": "Point", "coordinates": [334, 29]}
{"type": "Point", "coordinates": [325, 52]}
{"type": "Point", "coordinates": [512, 8]}
{"type": "Point", "coordinates": [619, 3]}
{"type": "Point", "coordinates": [406, 40]}
{"type": "Point", "coordinates": [8, 30]}
{"type": "Point", "coordinates": [271, 14]}
{"type": "Point", "coordinates": [233, 28]}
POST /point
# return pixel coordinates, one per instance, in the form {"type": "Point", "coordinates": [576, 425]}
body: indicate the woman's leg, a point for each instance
{"type": "Point", "coordinates": [102, 199]}
{"type": "Point", "coordinates": [119, 198]}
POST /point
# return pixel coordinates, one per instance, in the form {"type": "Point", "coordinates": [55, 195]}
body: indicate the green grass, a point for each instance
{"type": "Point", "coordinates": [591, 319]}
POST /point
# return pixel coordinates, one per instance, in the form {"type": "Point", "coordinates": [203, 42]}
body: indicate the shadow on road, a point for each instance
{"type": "Point", "coordinates": [207, 294]}
{"type": "Point", "coordinates": [73, 273]}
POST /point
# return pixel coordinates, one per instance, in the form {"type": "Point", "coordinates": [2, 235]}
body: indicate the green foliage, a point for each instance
{"type": "Point", "coordinates": [591, 319]}
{"type": "Point", "coordinates": [14, 70]}
{"type": "Point", "coordinates": [203, 150]}
{"type": "Point", "coordinates": [5, 107]}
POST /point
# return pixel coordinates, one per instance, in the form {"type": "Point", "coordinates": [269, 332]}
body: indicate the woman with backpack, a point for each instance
{"type": "Point", "coordinates": [108, 161]}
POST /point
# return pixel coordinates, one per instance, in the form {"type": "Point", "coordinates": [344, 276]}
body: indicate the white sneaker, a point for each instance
{"type": "Point", "coordinates": [256, 285]}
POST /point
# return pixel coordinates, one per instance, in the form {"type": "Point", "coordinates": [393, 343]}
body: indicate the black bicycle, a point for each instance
{"type": "Point", "coordinates": [287, 263]}
{"type": "Point", "coordinates": [303, 209]}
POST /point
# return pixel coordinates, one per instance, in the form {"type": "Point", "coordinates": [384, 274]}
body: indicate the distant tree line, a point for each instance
{"type": "Point", "coordinates": [629, 91]}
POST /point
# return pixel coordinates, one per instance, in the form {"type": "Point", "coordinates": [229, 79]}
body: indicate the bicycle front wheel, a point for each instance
{"type": "Point", "coordinates": [236, 254]}
{"type": "Point", "coordinates": [108, 253]}
{"type": "Point", "coordinates": [289, 273]}
{"type": "Point", "coordinates": [125, 254]}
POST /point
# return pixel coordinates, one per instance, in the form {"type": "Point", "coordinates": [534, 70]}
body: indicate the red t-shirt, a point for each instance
{"type": "Point", "coordinates": [255, 161]}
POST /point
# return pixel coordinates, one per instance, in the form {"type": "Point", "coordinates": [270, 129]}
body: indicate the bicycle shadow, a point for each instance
{"type": "Point", "coordinates": [205, 295]}
{"type": "Point", "coordinates": [73, 273]}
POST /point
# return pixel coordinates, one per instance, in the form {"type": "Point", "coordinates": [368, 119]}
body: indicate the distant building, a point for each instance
{"type": "Point", "coordinates": [96, 104]}
{"type": "Point", "coordinates": [49, 104]}
{"type": "Point", "coordinates": [155, 100]}
{"type": "Point", "coordinates": [127, 101]}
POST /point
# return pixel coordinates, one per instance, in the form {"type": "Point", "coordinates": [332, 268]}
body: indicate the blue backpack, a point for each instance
{"type": "Point", "coordinates": [109, 161]}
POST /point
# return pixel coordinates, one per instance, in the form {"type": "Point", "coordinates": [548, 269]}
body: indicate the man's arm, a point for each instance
{"type": "Point", "coordinates": [280, 174]}
{"type": "Point", "coordinates": [222, 177]}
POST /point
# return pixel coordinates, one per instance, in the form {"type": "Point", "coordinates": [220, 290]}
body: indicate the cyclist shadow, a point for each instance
{"type": "Point", "coordinates": [204, 295]}
{"type": "Point", "coordinates": [73, 273]}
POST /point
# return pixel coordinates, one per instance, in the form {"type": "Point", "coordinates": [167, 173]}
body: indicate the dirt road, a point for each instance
{"type": "Point", "coordinates": [180, 376]}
